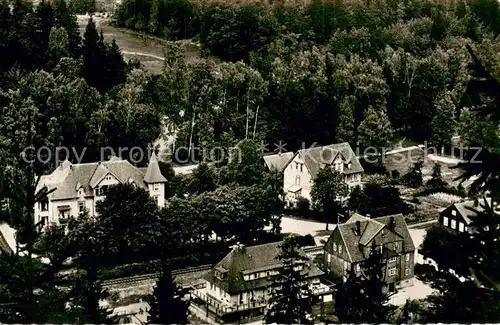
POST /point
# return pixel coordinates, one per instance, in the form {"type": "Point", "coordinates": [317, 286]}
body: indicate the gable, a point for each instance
{"type": "Point", "coordinates": [335, 237]}
{"type": "Point", "coordinates": [108, 179]}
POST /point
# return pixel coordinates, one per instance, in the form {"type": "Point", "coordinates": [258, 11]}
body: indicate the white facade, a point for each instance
{"type": "Point", "coordinates": [298, 181]}
{"type": "Point", "coordinates": [78, 188]}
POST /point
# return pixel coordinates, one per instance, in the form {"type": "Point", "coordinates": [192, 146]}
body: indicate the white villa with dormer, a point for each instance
{"type": "Point", "coordinates": [78, 187]}
{"type": "Point", "coordinates": [301, 170]}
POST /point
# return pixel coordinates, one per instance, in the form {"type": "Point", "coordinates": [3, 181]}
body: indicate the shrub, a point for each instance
{"type": "Point", "coordinates": [303, 207]}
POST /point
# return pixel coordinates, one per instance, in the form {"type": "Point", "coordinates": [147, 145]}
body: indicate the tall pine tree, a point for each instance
{"type": "Point", "coordinates": [363, 298]}
{"type": "Point", "coordinates": [291, 299]}
{"type": "Point", "coordinates": [167, 303]}
{"type": "Point", "coordinates": [64, 17]}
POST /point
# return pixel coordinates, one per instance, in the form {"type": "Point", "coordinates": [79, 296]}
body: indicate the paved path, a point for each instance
{"type": "Point", "coordinates": [144, 54]}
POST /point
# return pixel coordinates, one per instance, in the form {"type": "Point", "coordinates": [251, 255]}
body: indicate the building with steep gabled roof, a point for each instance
{"type": "Point", "coordinates": [351, 243]}
{"type": "Point", "coordinates": [78, 187]}
{"type": "Point", "coordinates": [301, 170]}
{"type": "Point", "coordinates": [242, 282]}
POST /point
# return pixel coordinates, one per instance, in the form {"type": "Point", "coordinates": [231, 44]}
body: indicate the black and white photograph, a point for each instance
{"type": "Point", "coordinates": [249, 162]}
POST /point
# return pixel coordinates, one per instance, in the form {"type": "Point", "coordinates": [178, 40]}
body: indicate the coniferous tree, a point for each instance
{"type": "Point", "coordinates": [92, 56]}
{"type": "Point", "coordinates": [374, 291]}
{"type": "Point", "coordinates": [64, 17]}
{"type": "Point", "coordinates": [7, 37]}
{"type": "Point", "coordinates": [44, 20]}
{"type": "Point", "coordinates": [115, 68]}
{"type": "Point", "coordinates": [291, 299]}
{"type": "Point", "coordinates": [167, 303]}
{"type": "Point", "coordinates": [414, 176]}
{"type": "Point", "coordinates": [437, 179]}
{"type": "Point", "coordinates": [346, 300]}
{"type": "Point", "coordinates": [363, 298]}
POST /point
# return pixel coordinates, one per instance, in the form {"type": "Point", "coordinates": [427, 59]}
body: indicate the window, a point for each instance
{"type": "Point", "coordinates": [252, 276]}
{"type": "Point", "coordinates": [296, 165]}
{"type": "Point", "coordinates": [358, 268]}
{"type": "Point", "coordinates": [156, 199]}
{"type": "Point", "coordinates": [297, 180]}
{"type": "Point", "coordinates": [460, 227]}
{"type": "Point", "coordinates": [392, 271]}
{"type": "Point", "coordinates": [268, 274]}
{"type": "Point", "coordinates": [465, 229]}
{"type": "Point", "coordinates": [383, 233]}
{"type": "Point", "coordinates": [45, 220]}
{"type": "Point", "coordinates": [393, 259]}
{"type": "Point", "coordinates": [43, 206]}
{"type": "Point", "coordinates": [301, 168]}
{"type": "Point", "coordinates": [454, 213]}
{"type": "Point", "coordinates": [340, 249]}
{"type": "Point", "coordinates": [81, 206]}
{"type": "Point", "coordinates": [156, 186]}
{"type": "Point", "coordinates": [380, 249]}
{"type": "Point", "coordinates": [345, 265]}
{"type": "Point", "coordinates": [486, 228]}
{"type": "Point", "coordinates": [453, 224]}
{"type": "Point", "coordinates": [101, 190]}
{"type": "Point", "coordinates": [445, 221]}
{"type": "Point", "coordinates": [407, 257]}
{"type": "Point", "coordinates": [335, 247]}
{"type": "Point", "coordinates": [407, 271]}
{"type": "Point", "coordinates": [396, 246]}
{"type": "Point", "coordinates": [328, 258]}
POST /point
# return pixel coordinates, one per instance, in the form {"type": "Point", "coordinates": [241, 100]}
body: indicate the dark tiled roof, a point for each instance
{"type": "Point", "coordinates": [67, 177]}
{"type": "Point", "coordinates": [315, 157]}
{"type": "Point", "coordinates": [278, 161]}
{"type": "Point", "coordinates": [257, 258]}
{"type": "Point", "coordinates": [369, 228]}
{"type": "Point", "coordinates": [153, 173]}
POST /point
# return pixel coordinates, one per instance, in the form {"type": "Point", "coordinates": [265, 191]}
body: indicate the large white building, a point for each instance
{"type": "Point", "coordinates": [78, 187]}
{"type": "Point", "coordinates": [301, 170]}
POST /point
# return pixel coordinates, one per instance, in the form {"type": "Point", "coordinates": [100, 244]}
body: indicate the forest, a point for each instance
{"type": "Point", "coordinates": [365, 72]}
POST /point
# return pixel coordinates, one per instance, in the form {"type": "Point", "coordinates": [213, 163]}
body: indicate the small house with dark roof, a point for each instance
{"type": "Point", "coordinates": [351, 243]}
{"type": "Point", "coordinates": [301, 170]}
{"type": "Point", "coordinates": [78, 187]}
{"type": "Point", "coordinates": [461, 216]}
{"type": "Point", "coordinates": [242, 281]}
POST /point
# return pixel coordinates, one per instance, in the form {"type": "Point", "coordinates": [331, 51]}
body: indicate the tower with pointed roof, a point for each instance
{"type": "Point", "coordinates": [78, 187]}
{"type": "Point", "coordinates": [155, 181]}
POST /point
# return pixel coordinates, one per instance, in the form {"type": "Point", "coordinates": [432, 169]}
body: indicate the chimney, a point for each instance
{"type": "Point", "coordinates": [392, 223]}
{"type": "Point", "coordinates": [368, 215]}
{"type": "Point", "coordinates": [358, 227]}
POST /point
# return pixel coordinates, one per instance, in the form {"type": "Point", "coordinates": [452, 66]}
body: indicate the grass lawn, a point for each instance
{"type": "Point", "coordinates": [147, 49]}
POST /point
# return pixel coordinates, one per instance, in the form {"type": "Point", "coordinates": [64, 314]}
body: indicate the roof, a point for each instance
{"type": "Point", "coordinates": [468, 214]}
{"type": "Point", "coordinates": [278, 161]}
{"type": "Point", "coordinates": [4, 245]}
{"type": "Point", "coordinates": [369, 228]}
{"type": "Point", "coordinates": [67, 178]}
{"type": "Point", "coordinates": [245, 260]}
{"type": "Point", "coordinates": [315, 157]}
{"type": "Point", "coordinates": [153, 173]}
{"type": "Point", "coordinates": [294, 188]}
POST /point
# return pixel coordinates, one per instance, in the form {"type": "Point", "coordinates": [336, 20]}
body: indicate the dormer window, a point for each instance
{"type": "Point", "coordinates": [156, 186]}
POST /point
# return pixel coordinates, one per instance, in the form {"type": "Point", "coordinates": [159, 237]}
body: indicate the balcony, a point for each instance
{"type": "Point", "coordinates": [221, 308]}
